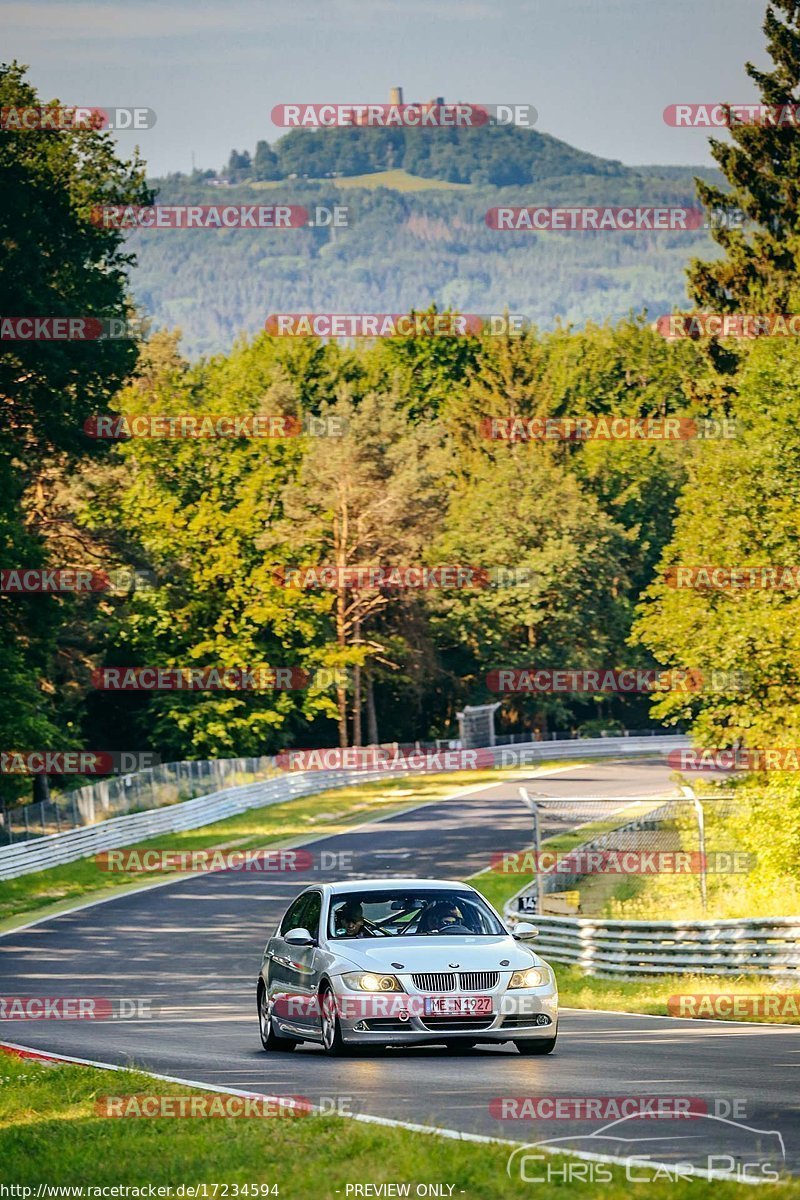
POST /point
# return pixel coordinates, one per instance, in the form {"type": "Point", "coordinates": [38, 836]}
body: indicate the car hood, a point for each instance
{"type": "Point", "coordinates": [433, 953]}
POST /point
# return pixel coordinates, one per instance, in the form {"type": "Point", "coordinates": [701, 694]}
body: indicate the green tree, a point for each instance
{"type": "Point", "coordinates": [558, 591]}
{"type": "Point", "coordinates": [761, 164]}
{"type": "Point", "coordinates": [366, 498]}
{"type": "Point", "coordinates": [56, 262]}
{"type": "Point", "coordinates": [265, 162]}
{"type": "Point", "coordinates": [196, 509]}
{"type": "Point", "coordinates": [739, 509]}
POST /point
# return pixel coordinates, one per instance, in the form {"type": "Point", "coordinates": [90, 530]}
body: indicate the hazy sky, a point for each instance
{"type": "Point", "coordinates": [600, 72]}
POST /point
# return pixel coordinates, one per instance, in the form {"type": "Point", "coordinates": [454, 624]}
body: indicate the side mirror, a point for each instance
{"type": "Point", "coordinates": [525, 932]}
{"type": "Point", "coordinates": [299, 937]}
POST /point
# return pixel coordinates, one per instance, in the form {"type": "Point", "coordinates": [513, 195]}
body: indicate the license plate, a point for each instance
{"type": "Point", "coordinates": [457, 1006]}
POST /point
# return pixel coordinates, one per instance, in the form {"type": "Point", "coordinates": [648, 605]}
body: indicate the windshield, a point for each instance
{"type": "Point", "coordinates": [419, 913]}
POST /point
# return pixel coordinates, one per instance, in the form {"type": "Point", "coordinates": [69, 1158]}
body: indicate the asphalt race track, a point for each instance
{"type": "Point", "coordinates": [193, 947]}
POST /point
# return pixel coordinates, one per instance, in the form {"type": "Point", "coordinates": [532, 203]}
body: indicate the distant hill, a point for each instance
{"type": "Point", "coordinates": [498, 156]}
{"type": "Point", "coordinates": [412, 239]}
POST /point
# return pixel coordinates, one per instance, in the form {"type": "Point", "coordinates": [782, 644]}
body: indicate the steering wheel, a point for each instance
{"type": "Point", "coordinates": [457, 928]}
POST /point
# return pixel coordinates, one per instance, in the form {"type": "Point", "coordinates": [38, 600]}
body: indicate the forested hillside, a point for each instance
{"type": "Point", "coordinates": [410, 249]}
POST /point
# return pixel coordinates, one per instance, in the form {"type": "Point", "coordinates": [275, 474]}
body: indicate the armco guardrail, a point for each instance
{"type": "Point", "coordinates": [758, 946]}
{"type": "Point", "coordinates": [54, 849]}
{"type": "Point", "coordinates": [153, 787]}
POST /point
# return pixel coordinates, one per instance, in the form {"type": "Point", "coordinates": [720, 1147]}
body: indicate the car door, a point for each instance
{"type": "Point", "coordinates": [279, 953]}
{"type": "Point", "coordinates": [301, 960]}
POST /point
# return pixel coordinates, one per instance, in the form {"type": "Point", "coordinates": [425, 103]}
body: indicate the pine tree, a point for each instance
{"type": "Point", "coordinates": [761, 162]}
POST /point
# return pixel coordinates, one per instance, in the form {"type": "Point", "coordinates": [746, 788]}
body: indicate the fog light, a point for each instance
{"type": "Point", "coordinates": [542, 1019]}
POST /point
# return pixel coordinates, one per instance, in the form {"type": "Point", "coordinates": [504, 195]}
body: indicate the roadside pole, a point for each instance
{"type": "Point", "coordinates": [532, 804]}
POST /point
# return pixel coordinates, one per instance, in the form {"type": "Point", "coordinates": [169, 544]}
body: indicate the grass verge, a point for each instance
{"type": "Point", "coordinates": [576, 989]}
{"type": "Point", "coordinates": [51, 1133]}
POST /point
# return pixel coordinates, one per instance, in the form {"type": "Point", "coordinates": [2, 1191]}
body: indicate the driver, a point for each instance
{"type": "Point", "coordinates": [350, 920]}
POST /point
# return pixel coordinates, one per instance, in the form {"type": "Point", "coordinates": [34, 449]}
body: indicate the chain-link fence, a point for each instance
{"type": "Point", "coordinates": [155, 787]}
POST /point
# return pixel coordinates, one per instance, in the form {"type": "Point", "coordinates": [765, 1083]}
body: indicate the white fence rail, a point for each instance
{"type": "Point", "coordinates": [55, 849]}
{"type": "Point", "coordinates": [768, 946]}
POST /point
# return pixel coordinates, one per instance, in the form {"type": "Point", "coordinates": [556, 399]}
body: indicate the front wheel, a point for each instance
{"type": "Point", "coordinates": [332, 1039]}
{"type": "Point", "coordinates": [269, 1038]}
{"type": "Point", "coordinates": [536, 1045]}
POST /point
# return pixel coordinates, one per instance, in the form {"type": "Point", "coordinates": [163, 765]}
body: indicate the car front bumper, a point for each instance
{"type": "Point", "coordinates": [399, 1018]}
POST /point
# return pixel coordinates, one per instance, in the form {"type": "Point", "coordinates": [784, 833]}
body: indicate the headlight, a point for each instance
{"type": "Point", "coordinates": [372, 983]}
{"type": "Point", "coordinates": [533, 977]}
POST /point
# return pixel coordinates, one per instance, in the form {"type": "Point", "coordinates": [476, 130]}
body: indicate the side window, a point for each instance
{"type": "Point", "coordinates": [312, 913]}
{"type": "Point", "coordinates": [291, 920]}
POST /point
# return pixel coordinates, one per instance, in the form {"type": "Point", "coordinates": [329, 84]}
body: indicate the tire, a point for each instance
{"type": "Point", "coordinates": [331, 1028]}
{"type": "Point", "coordinates": [536, 1045]}
{"type": "Point", "coordinates": [269, 1038]}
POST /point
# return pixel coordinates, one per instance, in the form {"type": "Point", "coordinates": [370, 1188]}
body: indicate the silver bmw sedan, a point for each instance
{"type": "Point", "coordinates": [402, 961]}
